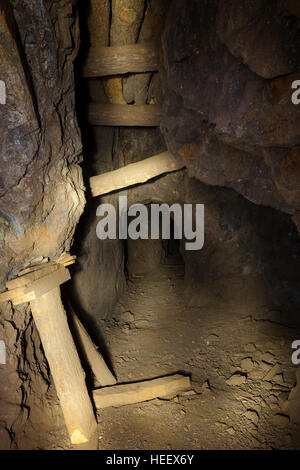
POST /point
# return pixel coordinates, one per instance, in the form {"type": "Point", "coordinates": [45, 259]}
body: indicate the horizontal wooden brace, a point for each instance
{"type": "Point", "coordinates": [114, 60]}
{"type": "Point", "coordinates": [33, 275]}
{"type": "Point", "coordinates": [47, 283]}
{"type": "Point", "coordinates": [148, 115]}
{"type": "Point", "coordinates": [119, 395]}
{"type": "Point", "coordinates": [35, 283]}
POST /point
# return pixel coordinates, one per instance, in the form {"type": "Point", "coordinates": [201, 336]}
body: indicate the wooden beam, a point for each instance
{"type": "Point", "coordinates": [47, 283]}
{"type": "Point", "coordinates": [40, 287]}
{"type": "Point", "coordinates": [120, 395]}
{"type": "Point", "coordinates": [68, 376]}
{"type": "Point", "coordinates": [34, 282]}
{"type": "Point", "coordinates": [114, 60]}
{"type": "Point", "coordinates": [92, 355]}
{"type": "Point", "coordinates": [148, 115]}
{"type": "Point", "coordinates": [15, 295]}
{"type": "Point", "coordinates": [134, 173]}
{"type": "Point", "coordinates": [33, 275]}
{"type": "Point", "coordinates": [31, 269]}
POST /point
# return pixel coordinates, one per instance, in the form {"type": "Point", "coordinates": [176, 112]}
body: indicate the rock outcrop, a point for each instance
{"type": "Point", "coordinates": [41, 192]}
{"type": "Point", "coordinates": [228, 113]}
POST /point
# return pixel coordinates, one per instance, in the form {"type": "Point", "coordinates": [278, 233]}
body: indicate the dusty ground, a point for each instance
{"type": "Point", "coordinates": [228, 354]}
{"type": "Point", "coordinates": [233, 404]}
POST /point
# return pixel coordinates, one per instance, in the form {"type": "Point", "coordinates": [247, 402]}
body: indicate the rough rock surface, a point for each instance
{"type": "Point", "coordinates": [227, 84]}
{"type": "Point", "coordinates": [41, 193]}
{"type": "Point", "coordinates": [98, 277]}
{"type": "Point", "coordinates": [244, 259]}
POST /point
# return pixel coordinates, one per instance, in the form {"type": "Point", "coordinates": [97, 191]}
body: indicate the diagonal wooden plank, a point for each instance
{"type": "Point", "coordinates": [120, 395]}
{"type": "Point", "coordinates": [134, 173]}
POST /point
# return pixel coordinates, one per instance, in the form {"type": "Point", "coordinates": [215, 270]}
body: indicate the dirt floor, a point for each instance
{"type": "Point", "coordinates": [238, 399]}
{"type": "Point", "coordinates": [233, 404]}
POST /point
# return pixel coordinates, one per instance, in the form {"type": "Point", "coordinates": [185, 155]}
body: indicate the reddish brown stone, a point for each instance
{"type": "Point", "coordinates": [229, 124]}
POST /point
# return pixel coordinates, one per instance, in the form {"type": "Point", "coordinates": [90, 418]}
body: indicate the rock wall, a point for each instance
{"type": "Point", "coordinates": [41, 194]}
{"type": "Point", "coordinates": [250, 257]}
{"type": "Point", "coordinates": [228, 113]}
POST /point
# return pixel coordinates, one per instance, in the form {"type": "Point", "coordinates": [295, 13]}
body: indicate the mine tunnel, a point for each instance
{"type": "Point", "coordinates": [137, 342]}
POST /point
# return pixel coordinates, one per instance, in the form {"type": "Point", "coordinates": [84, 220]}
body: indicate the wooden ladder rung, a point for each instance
{"type": "Point", "coordinates": [124, 115]}
{"type": "Point", "coordinates": [114, 60]}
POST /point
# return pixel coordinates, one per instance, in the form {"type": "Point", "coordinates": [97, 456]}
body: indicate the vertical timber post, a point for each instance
{"type": "Point", "coordinates": [68, 376]}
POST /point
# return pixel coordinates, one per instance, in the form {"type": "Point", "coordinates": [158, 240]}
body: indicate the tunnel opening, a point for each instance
{"type": "Point", "coordinates": [152, 257]}
{"type": "Point", "coordinates": [172, 250]}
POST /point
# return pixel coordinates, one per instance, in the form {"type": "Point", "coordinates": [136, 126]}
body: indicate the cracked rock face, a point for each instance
{"type": "Point", "coordinates": [228, 71]}
{"type": "Point", "coordinates": [41, 190]}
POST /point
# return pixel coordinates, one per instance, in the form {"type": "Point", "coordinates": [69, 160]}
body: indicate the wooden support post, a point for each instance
{"type": "Point", "coordinates": [68, 376]}
{"type": "Point", "coordinates": [39, 285]}
{"type": "Point", "coordinates": [128, 394]}
{"type": "Point", "coordinates": [134, 173]}
{"type": "Point", "coordinates": [114, 60]}
{"type": "Point", "coordinates": [124, 115]}
{"type": "Point", "coordinates": [92, 355]}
